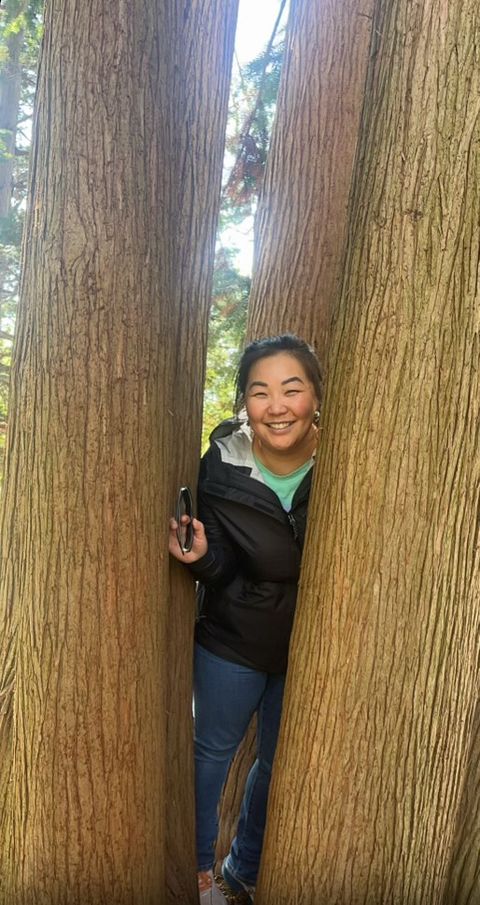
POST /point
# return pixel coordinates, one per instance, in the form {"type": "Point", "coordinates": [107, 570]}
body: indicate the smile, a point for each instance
{"type": "Point", "coordinates": [279, 425]}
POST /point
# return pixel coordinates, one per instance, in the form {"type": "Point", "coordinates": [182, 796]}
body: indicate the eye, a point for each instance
{"type": "Point", "coordinates": [292, 392]}
{"type": "Point", "coordinates": [259, 394]}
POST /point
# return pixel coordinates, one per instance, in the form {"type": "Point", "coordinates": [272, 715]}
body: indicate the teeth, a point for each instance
{"type": "Point", "coordinates": [280, 426]}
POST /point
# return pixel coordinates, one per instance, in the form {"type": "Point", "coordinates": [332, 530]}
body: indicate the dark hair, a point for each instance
{"type": "Point", "coordinates": [272, 345]}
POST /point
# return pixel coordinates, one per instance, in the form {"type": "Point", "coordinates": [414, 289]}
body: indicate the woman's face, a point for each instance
{"type": "Point", "coordinates": [280, 402]}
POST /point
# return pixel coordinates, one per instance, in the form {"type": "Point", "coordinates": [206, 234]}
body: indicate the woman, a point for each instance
{"type": "Point", "coordinates": [253, 494]}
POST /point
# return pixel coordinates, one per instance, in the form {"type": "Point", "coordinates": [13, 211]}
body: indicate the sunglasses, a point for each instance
{"type": "Point", "coordinates": [184, 531]}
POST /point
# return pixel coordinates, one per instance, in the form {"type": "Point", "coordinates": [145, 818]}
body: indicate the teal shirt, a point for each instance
{"type": "Point", "coordinates": [284, 485]}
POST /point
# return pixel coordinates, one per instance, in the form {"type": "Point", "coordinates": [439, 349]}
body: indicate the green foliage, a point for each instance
{"type": "Point", "coordinates": [19, 20]}
{"type": "Point", "coordinates": [226, 337]}
{"type": "Point", "coordinates": [252, 108]}
{"type": "Point", "coordinates": [254, 97]}
{"type": "Point", "coordinates": [32, 39]}
{"type": "Point", "coordinates": [14, 26]}
{"type": "Point", "coordinates": [11, 229]}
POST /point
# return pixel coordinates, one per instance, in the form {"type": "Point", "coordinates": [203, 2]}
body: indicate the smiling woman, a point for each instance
{"type": "Point", "coordinates": [253, 493]}
{"type": "Point", "coordinates": [281, 404]}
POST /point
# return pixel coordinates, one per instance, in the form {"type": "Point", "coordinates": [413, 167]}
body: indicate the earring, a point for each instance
{"type": "Point", "coordinates": [316, 416]}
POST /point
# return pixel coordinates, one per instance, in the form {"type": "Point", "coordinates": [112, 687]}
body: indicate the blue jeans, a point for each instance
{"type": "Point", "coordinates": [226, 695]}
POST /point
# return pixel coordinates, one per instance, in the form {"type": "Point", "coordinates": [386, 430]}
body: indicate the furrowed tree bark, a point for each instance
{"type": "Point", "coordinates": [118, 257]}
{"type": "Point", "coordinates": [383, 675]}
{"type": "Point", "coordinates": [301, 220]}
{"type": "Point", "coordinates": [207, 54]}
{"type": "Point", "coordinates": [233, 792]}
{"type": "Point", "coordinates": [463, 885]}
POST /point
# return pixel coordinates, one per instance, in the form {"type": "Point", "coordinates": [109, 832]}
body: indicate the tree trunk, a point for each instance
{"type": "Point", "coordinates": [207, 52]}
{"type": "Point", "coordinates": [383, 672]}
{"type": "Point", "coordinates": [104, 425]}
{"type": "Point", "coordinates": [233, 792]}
{"type": "Point", "coordinates": [463, 886]}
{"type": "Point", "coordinates": [301, 221]}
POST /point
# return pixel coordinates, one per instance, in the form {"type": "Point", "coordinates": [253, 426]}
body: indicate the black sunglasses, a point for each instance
{"type": "Point", "coordinates": [184, 531]}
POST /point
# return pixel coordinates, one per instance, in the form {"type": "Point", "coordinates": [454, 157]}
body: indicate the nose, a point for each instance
{"type": "Point", "coordinates": [277, 405]}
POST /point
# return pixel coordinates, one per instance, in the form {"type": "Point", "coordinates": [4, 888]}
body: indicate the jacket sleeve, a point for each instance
{"type": "Point", "coordinates": [219, 564]}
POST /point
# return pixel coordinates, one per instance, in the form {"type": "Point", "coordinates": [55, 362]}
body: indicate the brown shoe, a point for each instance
{"type": "Point", "coordinates": [208, 891]}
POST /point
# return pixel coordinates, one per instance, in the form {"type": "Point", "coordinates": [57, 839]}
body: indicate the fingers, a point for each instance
{"type": "Point", "coordinates": [173, 544]}
{"type": "Point", "coordinates": [200, 543]}
{"type": "Point", "coordinates": [184, 521]}
{"type": "Point", "coordinates": [199, 546]}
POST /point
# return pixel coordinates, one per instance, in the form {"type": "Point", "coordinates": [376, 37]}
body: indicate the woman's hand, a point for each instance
{"type": "Point", "coordinates": [200, 543]}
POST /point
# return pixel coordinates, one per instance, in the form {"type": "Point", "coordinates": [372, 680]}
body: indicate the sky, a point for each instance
{"type": "Point", "coordinates": [256, 19]}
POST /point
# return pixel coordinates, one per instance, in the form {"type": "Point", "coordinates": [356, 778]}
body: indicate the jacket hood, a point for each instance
{"type": "Point", "coordinates": [233, 439]}
{"type": "Point", "coordinates": [227, 427]}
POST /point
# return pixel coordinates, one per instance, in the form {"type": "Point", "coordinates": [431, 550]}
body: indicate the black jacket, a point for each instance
{"type": "Point", "coordinates": [249, 576]}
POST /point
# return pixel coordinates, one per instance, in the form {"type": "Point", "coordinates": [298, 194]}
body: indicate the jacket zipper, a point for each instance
{"type": "Point", "coordinates": [293, 525]}
{"type": "Point", "coordinates": [278, 509]}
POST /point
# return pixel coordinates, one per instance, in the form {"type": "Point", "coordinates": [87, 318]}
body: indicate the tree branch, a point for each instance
{"type": "Point", "coordinates": [251, 116]}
